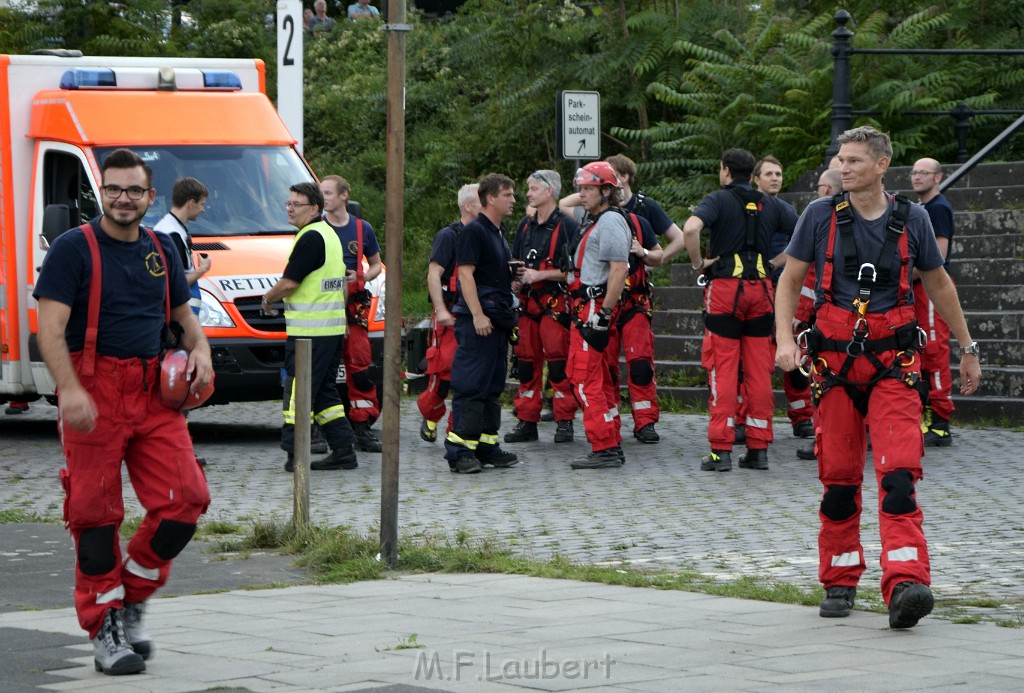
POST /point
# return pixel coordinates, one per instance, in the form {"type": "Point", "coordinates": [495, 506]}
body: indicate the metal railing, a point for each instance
{"type": "Point", "coordinates": [842, 107]}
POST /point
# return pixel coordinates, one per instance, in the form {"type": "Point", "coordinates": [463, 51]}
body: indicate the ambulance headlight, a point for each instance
{"type": "Point", "coordinates": [212, 313]}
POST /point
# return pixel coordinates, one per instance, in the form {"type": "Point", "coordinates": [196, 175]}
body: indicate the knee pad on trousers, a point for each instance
{"type": "Point", "coordinates": [362, 381]}
{"type": "Point", "coordinates": [556, 371]}
{"type": "Point", "coordinates": [525, 371]}
{"type": "Point", "coordinates": [899, 493]}
{"type": "Point", "coordinates": [641, 371]}
{"type": "Point", "coordinates": [443, 386]}
{"type": "Point", "coordinates": [839, 502]}
{"type": "Point", "coordinates": [96, 550]}
{"type": "Point", "coordinates": [171, 537]}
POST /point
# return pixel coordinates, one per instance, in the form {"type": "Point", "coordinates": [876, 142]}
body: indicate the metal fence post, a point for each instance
{"type": "Point", "coordinates": [842, 108]}
{"type": "Point", "coordinates": [302, 397]}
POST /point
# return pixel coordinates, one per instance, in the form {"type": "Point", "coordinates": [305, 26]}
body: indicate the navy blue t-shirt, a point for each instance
{"type": "Point", "coordinates": [483, 245]}
{"type": "Point", "coordinates": [442, 251]}
{"type": "Point", "coordinates": [941, 213]}
{"type": "Point", "coordinates": [350, 243]}
{"type": "Point", "coordinates": [133, 310]}
{"type": "Point", "coordinates": [646, 208]}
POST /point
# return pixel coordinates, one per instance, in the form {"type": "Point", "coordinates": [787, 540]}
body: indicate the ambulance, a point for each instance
{"type": "Point", "coordinates": [62, 113]}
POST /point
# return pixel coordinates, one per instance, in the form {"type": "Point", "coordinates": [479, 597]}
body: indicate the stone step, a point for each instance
{"type": "Point", "coordinates": [985, 297]}
{"type": "Point", "coordinates": [987, 246]}
{"type": "Point", "coordinates": [679, 297]}
{"type": "Point", "coordinates": [1005, 271]}
{"type": "Point", "coordinates": [992, 221]}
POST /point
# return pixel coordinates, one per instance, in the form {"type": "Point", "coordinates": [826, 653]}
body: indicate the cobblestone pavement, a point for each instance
{"type": "Point", "coordinates": [658, 510]}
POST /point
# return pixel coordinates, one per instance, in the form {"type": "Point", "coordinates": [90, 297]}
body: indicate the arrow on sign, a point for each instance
{"type": "Point", "coordinates": [583, 145]}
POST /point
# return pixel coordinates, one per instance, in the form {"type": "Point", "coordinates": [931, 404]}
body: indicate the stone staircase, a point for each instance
{"type": "Point", "coordinates": [987, 265]}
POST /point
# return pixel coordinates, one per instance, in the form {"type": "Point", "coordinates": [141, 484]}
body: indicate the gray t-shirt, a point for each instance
{"type": "Point", "coordinates": [608, 242]}
{"type": "Point", "coordinates": [810, 244]}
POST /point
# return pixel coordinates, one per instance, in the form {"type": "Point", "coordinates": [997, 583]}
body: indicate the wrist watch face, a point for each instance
{"type": "Point", "coordinates": [971, 348]}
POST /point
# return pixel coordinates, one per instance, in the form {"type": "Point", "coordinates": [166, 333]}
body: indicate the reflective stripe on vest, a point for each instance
{"type": "Point", "coordinates": [317, 307]}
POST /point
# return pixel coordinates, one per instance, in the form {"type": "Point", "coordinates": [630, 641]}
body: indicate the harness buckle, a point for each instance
{"type": "Point", "coordinates": [922, 338]}
{"type": "Point", "coordinates": [702, 280]}
{"type": "Point", "coordinates": [860, 334]}
{"type": "Point", "coordinates": [871, 268]}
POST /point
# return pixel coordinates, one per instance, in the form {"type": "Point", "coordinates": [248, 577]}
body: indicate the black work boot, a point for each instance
{"type": "Point", "coordinates": [365, 440]}
{"type": "Point", "coordinates": [754, 459]}
{"type": "Point", "coordinates": [910, 602]}
{"type": "Point", "coordinates": [717, 461]}
{"type": "Point", "coordinates": [647, 434]}
{"type": "Point", "coordinates": [523, 432]}
{"type": "Point", "coordinates": [838, 602]}
{"type": "Point", "coordinates": [343, 458]}
{"type": "Point", "coordinates": [803, 429]}
{"type": "Point", "coordinates": [806, 452]}
{"type": "Point", "coordinates": [564, 432]}
{"type": "Point", "coordinates": [317, 442]}
{"type": "Point", "coordinates": [938, 434]}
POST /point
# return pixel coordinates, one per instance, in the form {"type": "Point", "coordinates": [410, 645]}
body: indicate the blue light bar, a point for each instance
{"type": "Point", "coordinates": [86, 77]}
{"type": "Point", "coordinates": [221, 79]}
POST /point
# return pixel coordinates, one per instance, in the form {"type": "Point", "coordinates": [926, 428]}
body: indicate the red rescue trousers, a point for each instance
{"type": "Point", "coordinates": [935, 368]}
{"type": "Point", "coordinates": [743, 303]}
{"type": "Point", "coordinates": [363, 405]}
{"type": "Point", "coordinates": [439, 371]}
{"type": "Point", "coordinates": [637, 340]}
{"type": "Point", "coordinates": [894, 421]}
{"type": "Point", "coordinates": [542, 338]}
{"type": "Point", "coordinates": [132, 425]}
{"type": "Point", "coordinates": [592, 384]}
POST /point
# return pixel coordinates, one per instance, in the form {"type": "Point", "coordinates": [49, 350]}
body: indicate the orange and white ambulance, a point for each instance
{"type": "Point", "coordinates": [60, 115]}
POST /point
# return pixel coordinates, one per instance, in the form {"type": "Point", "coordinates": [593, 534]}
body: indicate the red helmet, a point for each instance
{"type": "Point", "coordinates": [597, 173]}
{"type": "Point", "coordinates": [175, 384]}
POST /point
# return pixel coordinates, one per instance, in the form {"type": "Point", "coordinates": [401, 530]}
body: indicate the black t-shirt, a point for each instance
{"type": "Point", "coordinates": [646, 208]}
{"type": "Point", "coordinates": [132, 299]}
{"type": "Point", "coordinates": [723, 214]}
{"type": "Point", "coordinates": [483, 245]}
{"type": "Point", "coordinates": [531, 236]}
{"type": "Point", "coordinates": [442, 251]}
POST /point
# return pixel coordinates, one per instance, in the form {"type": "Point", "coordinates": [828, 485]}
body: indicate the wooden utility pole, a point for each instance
{"type": "Point", "coordinates": [394, 223]}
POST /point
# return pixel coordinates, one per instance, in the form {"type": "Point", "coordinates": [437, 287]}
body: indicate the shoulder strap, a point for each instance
{"type": "Point", "coordinates": [95, 289]}
{"type": "Point", "coordinates": [359, 254]}
{"type": "Point", "coordinates": [167, 276]}
{"type": "Point", "coordinates": [753, 203]}
{"type": "Point", "coordinates": [895, 230]}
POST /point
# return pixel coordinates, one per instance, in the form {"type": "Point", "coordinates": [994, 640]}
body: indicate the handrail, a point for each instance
{"type": "Point", "coordinates": [968, 165]}
{"type": "Point", "coordinates": [843, 111]}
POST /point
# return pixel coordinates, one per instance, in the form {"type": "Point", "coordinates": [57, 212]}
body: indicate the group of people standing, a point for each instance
{"type": "Point", "coordinates": [834, 297]}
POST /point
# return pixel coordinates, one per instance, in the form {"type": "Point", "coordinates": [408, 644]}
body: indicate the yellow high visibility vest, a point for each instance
{"type": "Point", "coordinates": [317, 307]}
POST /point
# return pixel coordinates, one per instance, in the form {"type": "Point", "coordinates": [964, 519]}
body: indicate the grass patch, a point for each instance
{"type": "Point", "coordinates": [17, 515]}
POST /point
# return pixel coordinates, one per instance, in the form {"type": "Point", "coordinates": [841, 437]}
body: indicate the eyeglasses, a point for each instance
{"type": "Point", "coordinates": [135, 192]}
{"type": "Point", "coordinates": [924, 173]}
{"type": "Point", "coordinates": [293, 205]}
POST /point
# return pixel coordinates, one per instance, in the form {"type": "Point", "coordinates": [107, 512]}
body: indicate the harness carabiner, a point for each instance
{"type": "Point", "coordinates": [860, 334]}
{"type": "Point", "coordinates": [801, 339]}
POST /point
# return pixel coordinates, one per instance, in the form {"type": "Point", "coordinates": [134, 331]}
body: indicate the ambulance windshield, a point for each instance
{"type": "Point", "coordinates": [248, 185]}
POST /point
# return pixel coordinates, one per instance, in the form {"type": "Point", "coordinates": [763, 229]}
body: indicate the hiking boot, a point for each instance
{"type": "Point", "coordinates": [365, 440]}
{"type": "Point", "coordinates": [466, 464]}
{"type": "Point", "coordinates": [523, 432]}
{"type": "Point", "coordinates": [938, 435]}
{"type": "Point", "coordinates": [806, 452]}
{"type": "Point", "coordinates": [344, 458]}
{"type": "Point", "coordinates": [647, 434]}
{"type": "Point", "coordinates": [317, 442]}
{"type": "Point", "coordinates": [717, 461]}
{"type": "Point", "coordinates": [137, 636]}
{"type": "Point", "coordinates": [739, 433]}
{"type": "Point", "coordinates": [910, 602]}
{"type": "Point", "coordinates": [289, 466]}
{"type": "Point", "coordinates": [428, 432]}
{"type": "Point", "coordinates": [803, 429]}
{"type": "Point", "coordinates": [754, 459]}
{"type": "Point", "coordinates": [838, 602]}
{"type": "Point", "coordinates": [599, 459]}
{"type": "Point", "coordinates": [16, 408]}
{"type": "Point", "coordinates": [112, 654]}
{"type": "Point", "coordinates": [496, 457]}
{"type": "Point", "coordinates": [201, 461]}
{"type": "Point", "coordinates": [564, 432]}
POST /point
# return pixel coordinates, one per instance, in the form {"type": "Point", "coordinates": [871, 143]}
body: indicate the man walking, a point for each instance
{"type": "Point", "coordinates": [540, 242]}
{"type": "Point", "coordinates": [313, 289]}
{"type": "Point", "coordinates": [484, 319]}
{"type": "Point", "coordinates": [442, 280]}
{"type": "Point", "coordinates": [100, 334]}
{"type": "Point", "coordinates": [359, 242]}
{"type": "Point", "coordinates": [936, 378]}
{"type": "Point", "coordinates": [738, 308]}
{"type": "Point", "coordinates": [864, 248]}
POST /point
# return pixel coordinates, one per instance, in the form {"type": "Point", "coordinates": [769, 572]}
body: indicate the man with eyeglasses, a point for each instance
{"type": "Point", "coordinates": [936, 377]}
{"type": "Point", "coordinates": [101, 337]}
{"type": "Point", "coordinates": [313, 290]}
{"type": "Point", "coordinates": [540, 242]}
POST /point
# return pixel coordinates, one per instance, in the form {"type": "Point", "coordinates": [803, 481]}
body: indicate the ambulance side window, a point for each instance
{"type": "Point", "coordinates": [65, 182]}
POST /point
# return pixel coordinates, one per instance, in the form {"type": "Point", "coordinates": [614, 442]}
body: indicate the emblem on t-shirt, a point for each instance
{"type": "Point", "coordinates": [153, 264]}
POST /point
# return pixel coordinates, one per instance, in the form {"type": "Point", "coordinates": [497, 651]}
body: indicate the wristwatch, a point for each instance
{"type": "Point", "coordinates": [646, 252]}
{"type": "Point", "coordinates": [971, 348]}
